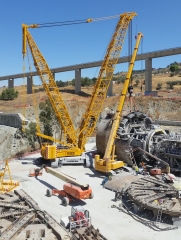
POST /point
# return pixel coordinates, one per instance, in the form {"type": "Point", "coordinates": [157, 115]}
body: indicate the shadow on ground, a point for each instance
{"type": "Point", "coordinates": [45, 183]}
{"type": "Point", "coordinates": [74, 201]}
{"type": "Point", "coordinates": [72, 91]}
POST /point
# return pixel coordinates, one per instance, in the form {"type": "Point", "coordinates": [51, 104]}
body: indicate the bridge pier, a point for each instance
{"type": "Point", "coordinates": [77, 68]}
{"type": "Point", "coordinates": [29, 85]}
{"type": "Point", "coordinates": [109, 92]}
{"type": "Point", "coordinates": [77, 81]}
{"type": "Point", "coordinates": [11, 83]}
{"type": "Point", "coordinates": [53, 75]}
{"type": "Point", "coordinates": [148, 75]}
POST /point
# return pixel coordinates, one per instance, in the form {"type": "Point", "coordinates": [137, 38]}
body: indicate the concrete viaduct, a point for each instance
{"type": "Point", "coordinates": [77, 68]}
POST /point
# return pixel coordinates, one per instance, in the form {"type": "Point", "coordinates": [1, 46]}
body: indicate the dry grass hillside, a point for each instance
{"type": "Point", "coordinates": [165, 106]}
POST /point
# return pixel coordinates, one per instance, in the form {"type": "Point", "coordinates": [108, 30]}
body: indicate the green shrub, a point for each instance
{"type": "Point", "coordinates": [121, 79]}
{"type": "Point", "coordinates": [170, 85]}
{"type": "Point", "coordinates": [137, 82]}
{"type": "Point", "coordinates": [159, 86]}
{"type": "Point", "coordinates": [47, 116]}
{"type": "Point", "coordinates": [172, 74]}
{"type": "Point", "coordinates": [173, 83]}
{"type": "Point", "coordinates": [39, 90]}
{"type": "Point", "coordinates": [174, 67]}
{"type": "Point", "coordinates": [8, 94]}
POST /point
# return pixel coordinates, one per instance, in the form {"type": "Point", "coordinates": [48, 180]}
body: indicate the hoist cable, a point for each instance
{"type": "Point", "coordinates": [23, 103]}
{"type": "Point", "coordinates": [141, 67]}
{"type": "Point", "coordinates": [136, 28]}
{"type": "Point", "coordinates": [130, 48]}
{"type": "Point", "coordinates": [59, 25]}
{"type": "Point", "coordinates": [73, 22]}
{"type": "Point", "coordinates": [105, 18]}
{"type": "Point", "coordinates": [35, 97]}
{"type": "Point", "coordinates": [141, 60]}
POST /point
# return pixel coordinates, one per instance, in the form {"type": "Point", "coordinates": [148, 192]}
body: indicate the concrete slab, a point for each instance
{"type": "Point", "coordinates": [121, 181]}
{"type": "Point", "coordinates": [4, 223]}
{"type": "Point", "coordinates": [114, 225]}
{"type": "Point", "coordinates": [36, 231]}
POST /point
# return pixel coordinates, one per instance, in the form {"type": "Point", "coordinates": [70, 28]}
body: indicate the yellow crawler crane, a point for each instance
{"type": "Point", "coordinates": [72, 151]}
{"type": "Point", "coordinates": [108, 162]}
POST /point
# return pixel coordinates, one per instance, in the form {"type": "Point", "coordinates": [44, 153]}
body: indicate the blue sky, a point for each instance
{"type": "Point", "coordinates": [61, 46]}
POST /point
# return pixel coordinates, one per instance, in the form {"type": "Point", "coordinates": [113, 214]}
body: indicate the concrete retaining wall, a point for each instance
{"type": "Point", "coordinates": [11, 120]}
{"type": "Point", "coordinates": [168, 123]}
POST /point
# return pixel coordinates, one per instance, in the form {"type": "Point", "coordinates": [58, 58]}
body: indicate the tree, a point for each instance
{"type": "Point", "coordinates": [61, 83]}
{"type": "Point", "coordinates": [31, 135]}
{"type": "Point", "coordinates": [94, 79]}
{"type": "Point", "coordinates": [173, 68]}
{"type": "Point", "coordinates": [73, 82]}
{"type": "Point", "coordinates": [8, 94]}
{"type": "Point", "coordinates": [47, 117]}
{"type": "Point", "coordinates": [48, 129]}
{"type": "Point", "coordinates": [85, 81]}
{"type": "Point", "coordinates": [45, 113]}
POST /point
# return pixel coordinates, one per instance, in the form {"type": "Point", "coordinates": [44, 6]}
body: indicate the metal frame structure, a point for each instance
{"type": "Point", "coordinates": [7, 185]}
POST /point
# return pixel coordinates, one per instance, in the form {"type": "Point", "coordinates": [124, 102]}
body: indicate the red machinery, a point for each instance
{"type": "Point", "coordinates": [79, 218]}
{"type": "Point", "coordinates": [71, 190]}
